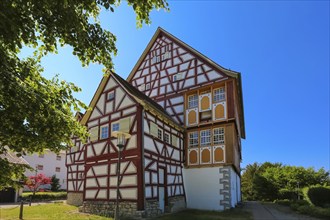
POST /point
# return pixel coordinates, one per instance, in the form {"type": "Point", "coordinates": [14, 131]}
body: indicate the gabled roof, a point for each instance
{"type": "Point", "coordinates": [139, 97]}
{"type": "Point", "coordinates": [12, 158]}
{"type": "Point", "coordinates": [229, 73]}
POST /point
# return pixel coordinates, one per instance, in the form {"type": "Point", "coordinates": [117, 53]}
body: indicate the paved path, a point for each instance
{"type": "Point", "coordinates": [270, 211]}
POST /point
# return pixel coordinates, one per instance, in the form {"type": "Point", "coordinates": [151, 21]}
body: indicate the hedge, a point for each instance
{"type": "Point", "coordinates": [317, 195]}
{"type": "Point", "coordinates": [45, 196]}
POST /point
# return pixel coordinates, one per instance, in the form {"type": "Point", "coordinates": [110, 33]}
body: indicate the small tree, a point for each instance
{"type": "Point", "coordinates": [55, 185]}
{"type": "Point", "coordinates": [34, 182]}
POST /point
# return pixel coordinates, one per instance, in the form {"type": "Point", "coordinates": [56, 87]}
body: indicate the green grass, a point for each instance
{"type": "Point", "coordinates": [64, 211]}
{"type": "Point", "coordinates": [303, 207]}
{"type": "Point", "coordinates": [192, 214]}
{"type": "Point", "coordinates": [48, 211]}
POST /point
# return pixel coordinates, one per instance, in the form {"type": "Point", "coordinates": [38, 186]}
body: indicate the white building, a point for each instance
{"type": "Point", "coordinates": [49, 164]}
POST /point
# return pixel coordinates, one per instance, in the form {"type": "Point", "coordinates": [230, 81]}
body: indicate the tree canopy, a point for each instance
{"type": "Point", "coordinates": [269, 181]}
{"type": "Point", "coordinates": [35, 112]}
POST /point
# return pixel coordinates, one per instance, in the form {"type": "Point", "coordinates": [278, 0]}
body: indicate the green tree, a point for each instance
{"type": "Point", "coordinates": [248, 187]}
{"type": "Point", "coordinates": [35, 112]}
{"type": "Point", "coordinates": [55, 185]}
{"type": "Point", "coordinates": [269, 181]}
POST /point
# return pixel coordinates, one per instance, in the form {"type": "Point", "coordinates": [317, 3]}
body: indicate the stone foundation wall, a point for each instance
{"type": "Point", "coordinates": [75, 198]}
{"type": "Point", "coordinates": [176, 204]}
{"type": "Point", "coordinates": [126, 209]}
{"type": "Point", "coordinates": [225, 190]}
{"type": "Point", "coordinates": [152, 209]}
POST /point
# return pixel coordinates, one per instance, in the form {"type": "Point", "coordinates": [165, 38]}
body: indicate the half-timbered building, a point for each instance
{"type": "Point", "coordinates": [185, 116]}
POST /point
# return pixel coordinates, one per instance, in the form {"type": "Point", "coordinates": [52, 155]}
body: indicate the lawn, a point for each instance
{"type": "Point", "coordinates": [64, 211]}
{"type": "Point", "coordinates": [48, 211]}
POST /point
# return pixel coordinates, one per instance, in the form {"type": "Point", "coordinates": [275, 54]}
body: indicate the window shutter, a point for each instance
{"type": "Point", "coordinates": [124, 125]}
{"type": "Point", "coordinates": [94, 134]}
{"type": "Point", "coordinates": [153, 129]}
{"type": "Point", "coordinates": [174, 140]}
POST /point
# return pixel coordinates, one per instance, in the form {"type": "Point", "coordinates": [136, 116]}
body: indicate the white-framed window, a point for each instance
{"type": "Point", "coordinates": [111, 95]}
{"type": "Point", "coordinates": [193, 139]}
{"type": "Point", "coordinates": [58, 157]}
{"type": "Point", "coordinates": [160, 134]}
{"type": "Point", "coordinates": [192, 101]}
{"type": "Point", "coordinates": [115, 127]}
{"type": "Point", "coordinates": [147, 86]}
{"type": "Point", "coordinates": [177, 77]}
{"type": "Point", "coordinates": [218, 136]}
{"type": "Point", "coordinates": [219, 94]}
{"type": "Point", "coordinates": [206, 137]}
{"type": "Point", "coordinates": [40, 167]}
{"type": "Point", "coordinates": [166, 137]}
{"type": "Point", "coordinates": [104, 132]}
{"type": "Point", "coordinates": [58, 169]}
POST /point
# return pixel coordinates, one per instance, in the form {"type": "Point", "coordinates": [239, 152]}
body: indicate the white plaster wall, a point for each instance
{"type": "Point", "coordinates": [202, 188]}
{"type": "Point", "coordinates": [49, 163]}
{"type": "Point", "coordinates": [233, 188]}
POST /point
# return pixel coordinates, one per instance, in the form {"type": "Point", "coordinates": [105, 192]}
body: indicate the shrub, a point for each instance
{"type": "Point", "coordinates": [314, 211]}
{"type": "Point", "coordinates": [288, 194]}
{"type": "Point", "coordinates": [45, 196]}
{"type": "Point", "coordinates": [55, 185]}
{"type": "Point", "coordinates": [317, 195]}
{"type": "Point", "coordinates": [285, 202]}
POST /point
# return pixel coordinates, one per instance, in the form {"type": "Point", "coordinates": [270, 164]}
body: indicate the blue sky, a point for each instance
{"type": "Point", "coordinates": [280, 47]}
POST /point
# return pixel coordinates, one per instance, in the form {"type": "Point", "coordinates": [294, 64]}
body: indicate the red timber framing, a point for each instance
{"type": "Point", "coordinates": [99, 156]}
{"type": "Point", "coordinates": [163, 158]}
{"type": "Point", "coordinates": [168, 68]}
{"type": "Point", "coordinates": [115, 106]}
{"type": "Point", "coordinates": [75, 167]}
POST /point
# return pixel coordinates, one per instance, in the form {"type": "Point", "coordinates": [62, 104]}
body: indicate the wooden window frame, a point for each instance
{"type": "Point", "coordinates": [115, 124]}
{"type": "Point", "coordinates": [191, 139]}
{"type": "Point", "coordinates": [177, 77]}
{"type": "Point", "coordinates": [160, 134]}
{"type": "Point", "coordinates": [194, 102]}
{"type": "Point", "coordinates": [219, 94]}
{"type": "Point", "coordinates": [220, 136]}
{"type": "Point", "coordinates": [209, 137]}
{"type": "Point", "coordinates": [111, 96]}
{"type": "Point", "coordinates": [102, 133]}
{"type": "Point", "coordinates": [167, 138]}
